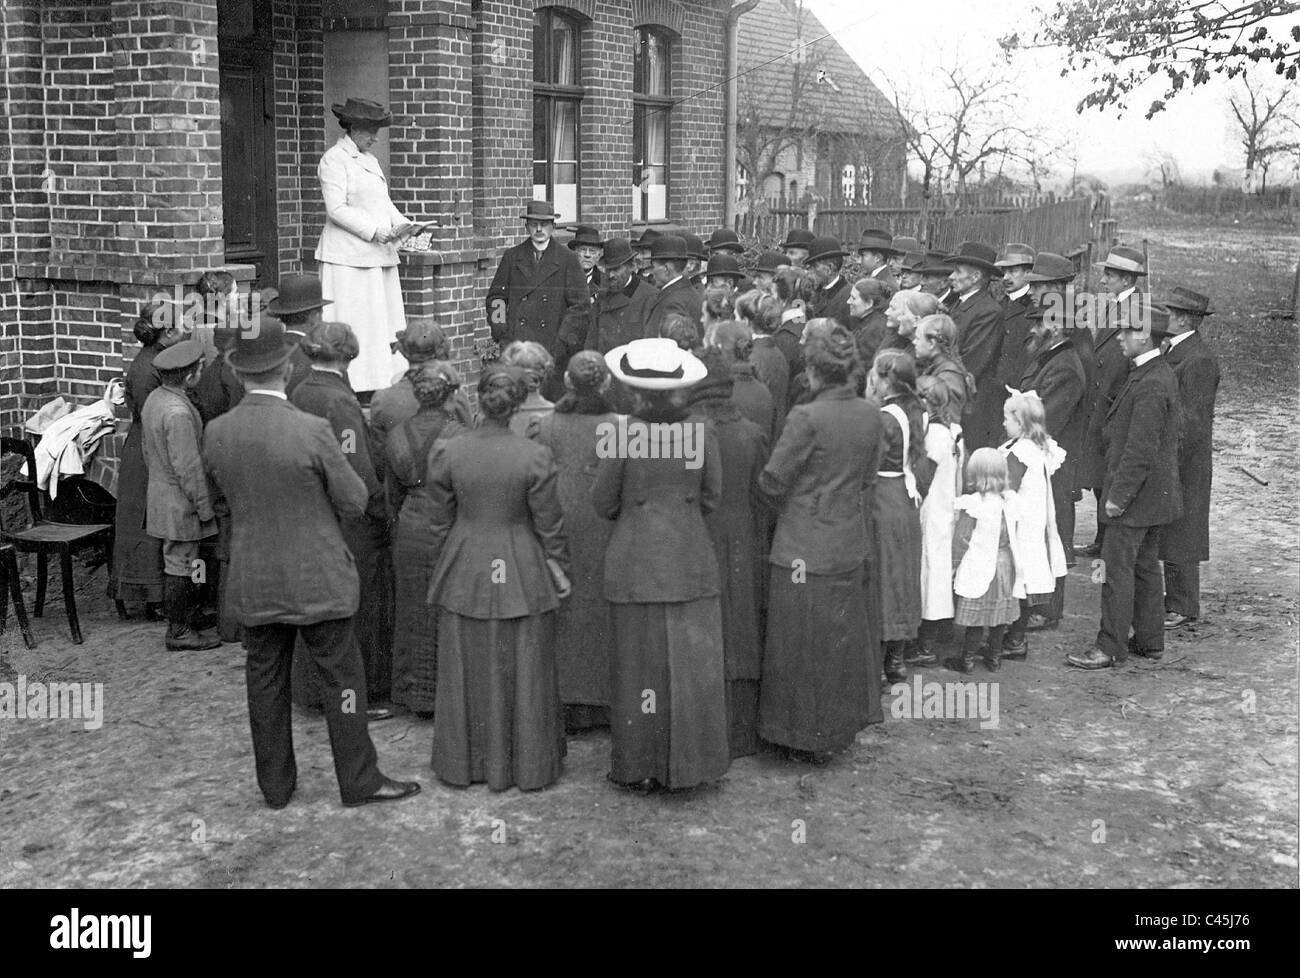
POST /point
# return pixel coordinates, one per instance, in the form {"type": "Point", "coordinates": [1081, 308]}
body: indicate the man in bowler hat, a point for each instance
{"type": "Point", "coordinates": [539, 293]}
{"type": "Point", "coordinates": [287, 484]}
{"type": "Point", "coordinates": [668, 263]}
{"type": "Point", "coordinates": [979, 336]}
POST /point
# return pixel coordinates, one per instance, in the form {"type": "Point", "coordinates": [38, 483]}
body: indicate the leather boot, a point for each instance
{"type": "Point", "coordinates": [895, 668]}
{"type": "Point", "coordinates": [970, 646]}
{"type": "Point", "coordinates": [180, 636]}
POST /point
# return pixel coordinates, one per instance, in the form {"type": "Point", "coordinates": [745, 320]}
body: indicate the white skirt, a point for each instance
{"type": "Point", "coordinates": [370, 301]}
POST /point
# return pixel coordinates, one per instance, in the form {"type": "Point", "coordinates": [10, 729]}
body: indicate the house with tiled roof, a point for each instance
{"type": "Point", "coordinates": [809, 120]}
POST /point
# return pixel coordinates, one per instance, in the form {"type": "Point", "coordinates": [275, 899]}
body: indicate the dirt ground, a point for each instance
{"type": "Point", "coordinates": [1180, 773]}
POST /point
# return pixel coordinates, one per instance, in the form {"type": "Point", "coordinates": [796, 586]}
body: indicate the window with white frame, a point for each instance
{"type": "Point", "coordinates": [557, 100]}
{"type": "Point", "coordinates": [651, 106]}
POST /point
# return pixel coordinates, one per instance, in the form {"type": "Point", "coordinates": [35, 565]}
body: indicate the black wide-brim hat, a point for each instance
{"type": "Point", "coordinates": [826, 247]}
{"type": "Point", "coordinates": [584, 234]}
{"type": "Point", "coordinates": [299, 292]}
{"type": "Point", "coordinates": [1185, 300]}
{"type": "Point", "coordinates": [976, 255]}
{"type": "Point", "coordinates": [798, 238]}
{"type": "Point", "coordinates": [265, 349]}
{"type": "Point", "coordinates": [362, 110]}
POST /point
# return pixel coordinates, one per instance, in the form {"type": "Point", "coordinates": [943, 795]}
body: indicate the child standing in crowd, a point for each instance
{"type": "Point", "coordinates": [986, 560]}
{"type": "Point", "coordinates": [944, 446]}
{"type": "Point", "coordinates": [896, 504]}
{"type": "Point", "coordinates": [1033, 457]}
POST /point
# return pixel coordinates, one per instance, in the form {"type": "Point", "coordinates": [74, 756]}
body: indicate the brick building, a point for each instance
{"type": "Point", "coordinates": [149, 140]}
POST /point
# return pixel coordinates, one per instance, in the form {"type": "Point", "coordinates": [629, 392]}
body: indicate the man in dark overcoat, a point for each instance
{"type": "Point", "coordinates": [1107, 365]}
{"type": "Point", "coordinates": [1140, 494]}
{"type": "Point", "coordinates": [537, 289]}
{"type": "Point", "coordinates": [831, 300]}
{"type": "Point", "coordinates": [1016, 262]}
{"type": "Point", "coordinates": [979, 339]}
{"type": "Point", "coordinates": [619, 313]}
{"type": "Point", "coordinates": [676, 294]}
{"type": "Point", "coordinates": [1185, 542]}
{"type": "Point", "coordinates": [287, 484]}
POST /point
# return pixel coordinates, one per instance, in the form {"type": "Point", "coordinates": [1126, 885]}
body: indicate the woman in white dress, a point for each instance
{"type": "Point", "coordinates": [358, 247]}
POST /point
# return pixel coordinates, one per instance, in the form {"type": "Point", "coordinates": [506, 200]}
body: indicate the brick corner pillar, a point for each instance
{"type": "Point", "coordinates": [26, 357]}
{"type": "Point", "coordinates": [166, 85]}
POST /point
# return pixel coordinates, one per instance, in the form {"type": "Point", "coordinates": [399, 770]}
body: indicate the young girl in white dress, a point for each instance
{"type": "Point", "coordinates": [1033, 457]}
{"type": "Point", "coordinates": [984, 550]}
{"type": "Point", "coordinates": [943, 445]}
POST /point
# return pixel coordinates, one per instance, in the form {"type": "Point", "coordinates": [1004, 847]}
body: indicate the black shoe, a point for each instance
{"type": "Point", "coordinates": [920, 656]}
{"type": "Point", "coordinates": [390, 790]}
{"type": "Point", "coordinates": [1011, 649]}
{"type": "Point", "coordinates": [960, 664]}
{"type": "Point", "coordinates": [1039, 623]}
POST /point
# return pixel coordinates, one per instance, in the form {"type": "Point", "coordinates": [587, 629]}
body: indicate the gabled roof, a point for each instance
{"type": "Point", "coordinates": [843, 101]}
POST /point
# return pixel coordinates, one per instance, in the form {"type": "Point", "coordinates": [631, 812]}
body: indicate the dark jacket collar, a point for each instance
{"type": "Point", "coordinates": [837, 392]}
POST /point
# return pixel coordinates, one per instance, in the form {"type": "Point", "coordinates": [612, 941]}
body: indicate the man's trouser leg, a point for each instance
{"type": "Point", "coordinates": [1183, 588]}
{"type": "Point", "coordinates": [1149, 597]}
{"type": "Point", "coordinates": [270, 653]}
{"type": "Point", "coordinates": [337, 660]}
{"type": "Point", "coordinates": [1119, 549]}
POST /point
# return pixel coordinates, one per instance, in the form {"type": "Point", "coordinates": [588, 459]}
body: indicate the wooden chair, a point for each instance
{"type": "Point", "coordinates": [11, 587]}
{"type": "Point", "coordinates": [44, 538]}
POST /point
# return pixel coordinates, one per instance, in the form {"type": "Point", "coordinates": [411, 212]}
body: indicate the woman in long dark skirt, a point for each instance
{"type": "Point", "coordinates": [582, 629]}
{"type": "Point", "coordinates": [502, 570]}
{"type": "Point", "coordinates": [137, 578]}
{"type": "Point", "coordinates": [896, 513]}
{"type": "Point", "coordinates": [738, 528]}
{"type": "Point", "coordinates": [407, 450]}
{"type": "Point", "coordinates": [821, 678]}
{"type": "Point", "coordinates": [667, 676]}
{"type": "Point", "coordinates": [327, 393]}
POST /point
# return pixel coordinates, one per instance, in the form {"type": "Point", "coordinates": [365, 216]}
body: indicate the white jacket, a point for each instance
{"type": "Point", "coordinates": [979, 565]}
{"type": "Point", "coordinates": [356, 206]}
{"type": "Point", "coordinates": [1039, 539]}
{"type": "Point", "coordinates": [937, 520]}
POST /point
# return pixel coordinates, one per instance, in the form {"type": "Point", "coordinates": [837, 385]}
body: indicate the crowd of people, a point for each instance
{"type": "Point", "coordinates": [887, 469]}
{"type": "Point", "coordinates": [847, 480]}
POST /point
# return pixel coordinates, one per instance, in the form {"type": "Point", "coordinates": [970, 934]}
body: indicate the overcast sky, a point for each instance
{"type": "Point", "coordinates": [906, 41]}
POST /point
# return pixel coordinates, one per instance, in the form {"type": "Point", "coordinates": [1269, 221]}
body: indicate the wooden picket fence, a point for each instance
{"type": "Point", "coordinates": [1080, 228]}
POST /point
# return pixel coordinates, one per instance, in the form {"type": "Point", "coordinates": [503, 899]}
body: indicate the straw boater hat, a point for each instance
{"type": "Point", "coordinates": [1123, 259]}
{"type": "Point", "coordinates": [1184, 300]}
{"type": "Point", "coordinates": [655, 364]}
{"type": "Point", "coordinates": [362, 110]}
{"type": "Point", "coordinates": [1015, 255]}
